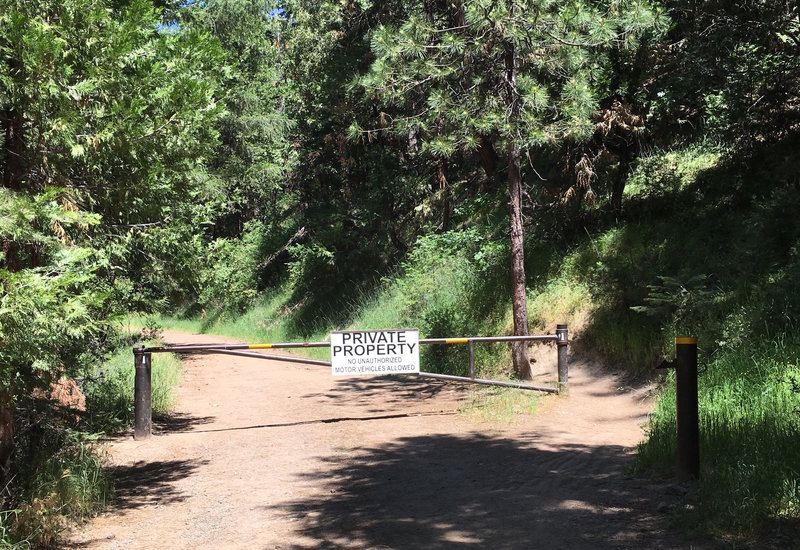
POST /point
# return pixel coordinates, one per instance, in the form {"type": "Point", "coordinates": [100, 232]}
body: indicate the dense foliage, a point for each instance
{"type": "Point", "coordinates": [107, 121]}
{"type": "Point", "coordinates": [358, 163]}
{"type": "Point", "coordinates": [107, 118]}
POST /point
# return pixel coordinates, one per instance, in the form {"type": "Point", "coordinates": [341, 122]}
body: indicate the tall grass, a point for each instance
{"type": "Point", "coordinates": [59, 478]}
{"type": "Point", "coordinates": [268, 320]}
{"type": "Point", "coordinates": [109, 394]}
{"type": "Point", "coordinates": [59, 459]}
{"type": "Point", "coordinates": [749, 429]}
{"type": "Point", "coordinates": [67, 484]}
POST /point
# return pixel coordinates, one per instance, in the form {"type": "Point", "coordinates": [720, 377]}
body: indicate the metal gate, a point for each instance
{"type": "Point", "coordinates": [143, 363]}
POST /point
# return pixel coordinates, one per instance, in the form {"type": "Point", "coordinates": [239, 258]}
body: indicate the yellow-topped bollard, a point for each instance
{"type": "Point", "coordinates": [687, 409]}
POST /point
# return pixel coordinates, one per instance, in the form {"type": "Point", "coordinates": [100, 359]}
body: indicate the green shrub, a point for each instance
{"type": "Point", "coordinates": [310, 263]}
{"type": "Point", "coordinates": [59, 476]}
{"type": "Point", "coordinates": [229, 280]}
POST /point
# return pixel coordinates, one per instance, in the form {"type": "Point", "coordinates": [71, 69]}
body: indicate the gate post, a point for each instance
{"type": "Point", "coordinates": [562, 342]}
{"type": "Point", "coordinates": [471, 347]}
{"type": "Point", "coordinates": [142, 410]}
{"type": "Point", "coordinates": [686, 405]}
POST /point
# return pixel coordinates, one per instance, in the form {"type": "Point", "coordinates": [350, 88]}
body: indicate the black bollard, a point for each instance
{"type": "Point", "coordinates": [562, 343]}
{"type": "Point", "coordinates": [687, 409]}
{"type": "Point", "coordinates": [143, 414]}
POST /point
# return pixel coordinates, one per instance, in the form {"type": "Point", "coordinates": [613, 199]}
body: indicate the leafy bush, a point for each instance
{"type": "Point", "coordinates": [230, 277]}
{"type": "Point", "coordinates": [310, 264]}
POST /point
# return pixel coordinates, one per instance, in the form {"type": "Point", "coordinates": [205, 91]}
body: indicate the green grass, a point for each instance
{"type": "Point", "coordinates": [268, 321]}
{"type": "Point", "coordinates": [560, 300]}
{"type": "Point", "coordinates": [749, 428]}
{"type": "Point", "coordinates": [669, 172]}
{"type": "Point", "coordinates": [109, 394]}
{"type": "Point", "coordinates": [496, 405]}
{"type": "Point", "coordinates": [7, 520]}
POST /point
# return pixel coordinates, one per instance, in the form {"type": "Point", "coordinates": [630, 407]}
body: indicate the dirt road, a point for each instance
{"type": "Point", "coordinates": [276, 455]}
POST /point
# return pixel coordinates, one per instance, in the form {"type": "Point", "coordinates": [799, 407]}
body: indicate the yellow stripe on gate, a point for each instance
{"type": "Point", "coordinates": [260, 346]}
{"type": "Point", "coordinates": [456, 340]}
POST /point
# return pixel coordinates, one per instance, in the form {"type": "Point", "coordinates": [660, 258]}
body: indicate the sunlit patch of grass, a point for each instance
{"type": "Point", "coordinates": [109, 393]}
{"type": "Point", "coordinates": [672, 171]}
{"type": "Point", "coordinates": [749, 428]}
{"type": "Point", "coordinates": [498, 405]}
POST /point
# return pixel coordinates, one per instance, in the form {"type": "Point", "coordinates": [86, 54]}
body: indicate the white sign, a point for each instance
{"type": "Point", "coordinates": [374, 352]}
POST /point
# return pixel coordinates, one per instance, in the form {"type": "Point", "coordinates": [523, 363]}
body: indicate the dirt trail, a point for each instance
{"type": "Point", "coordinates": [276, 455]}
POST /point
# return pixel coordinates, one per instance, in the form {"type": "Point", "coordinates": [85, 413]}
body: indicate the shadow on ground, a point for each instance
{"type": "Point", "coordinates": [179, 422]}
{"type": "Point", "coordinates": [152, 483]}
{"type": "Point", "coordinates": [335, 420]}
{"type": "Point", "coordinates": [390, 391]}
{"type": "Point", "coordinates": [478, 491]}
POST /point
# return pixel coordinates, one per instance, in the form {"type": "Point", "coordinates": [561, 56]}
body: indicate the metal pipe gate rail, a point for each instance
{"type": "Point", "coordinates": [143, 362]}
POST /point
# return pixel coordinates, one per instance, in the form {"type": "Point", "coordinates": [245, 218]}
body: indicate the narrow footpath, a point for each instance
{"type": "Point", "coordinates": [278, 455]}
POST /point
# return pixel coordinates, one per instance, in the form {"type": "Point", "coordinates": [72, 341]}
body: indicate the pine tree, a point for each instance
{"type": "Point", "coordinates": [503, 80]}
{"type": "Point", "coordinates": [255, 153]}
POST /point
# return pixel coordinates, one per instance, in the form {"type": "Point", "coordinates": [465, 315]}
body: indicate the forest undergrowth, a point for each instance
{"type": "Point", "coordinates": [62, 450]}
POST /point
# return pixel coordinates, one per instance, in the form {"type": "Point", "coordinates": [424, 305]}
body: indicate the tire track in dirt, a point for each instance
{"type": "Point", "coordinates": [276, 455]}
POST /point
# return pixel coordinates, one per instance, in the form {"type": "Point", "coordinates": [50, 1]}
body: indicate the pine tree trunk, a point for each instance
{"type": "Point", "coordinates": [519, 303]}
{"type": "Point", "coordinates": [428, 6]}
{"type": "Point", "coordinates": [489, 159]}
{"type": "Point", "coordinates": [619, 182]}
